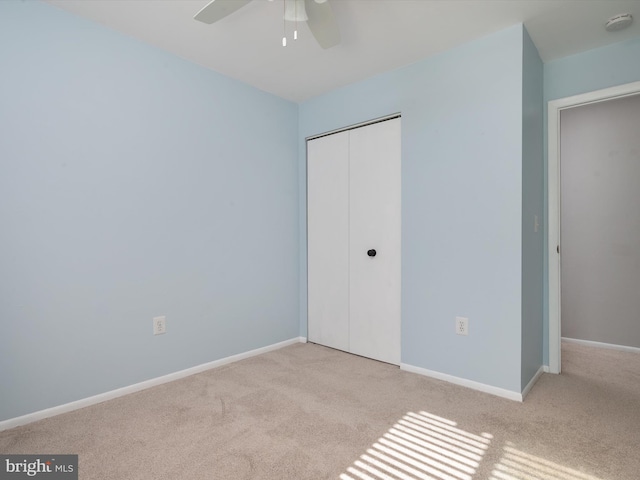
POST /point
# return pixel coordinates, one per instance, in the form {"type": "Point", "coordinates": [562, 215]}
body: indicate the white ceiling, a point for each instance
{"type": "Point", "coordinates": [377, 35]}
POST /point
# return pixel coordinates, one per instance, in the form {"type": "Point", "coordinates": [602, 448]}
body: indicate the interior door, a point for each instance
{"type": "Point", "coordinates": [374, 210]}
{"type": "Point", "coordinates": [328, 240]}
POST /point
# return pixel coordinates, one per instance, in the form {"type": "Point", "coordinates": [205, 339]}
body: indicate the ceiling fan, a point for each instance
{"type": "Point", "coordinates": [317, 14]}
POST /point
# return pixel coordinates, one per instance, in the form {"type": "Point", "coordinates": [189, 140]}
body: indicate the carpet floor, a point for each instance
{"type": "Point", "coordinates": [310, 412]}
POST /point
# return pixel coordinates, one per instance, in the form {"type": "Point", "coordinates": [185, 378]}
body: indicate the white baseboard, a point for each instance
{"type": "Point", "coordinates": [546, 369]}
{"type": "Point", "coordinates": [102, 397]}
{"type": "Point", "coordinates": [609, 346]}
{"type": "Point", "coordinates": [532, 382]}
{"type": "Point", "coordinates": [500, 392]}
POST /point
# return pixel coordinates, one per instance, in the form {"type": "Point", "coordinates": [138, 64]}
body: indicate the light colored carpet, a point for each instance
{"type": "Point", "coordinates": [309, 412]}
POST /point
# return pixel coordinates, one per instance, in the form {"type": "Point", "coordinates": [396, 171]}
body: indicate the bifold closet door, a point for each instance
{"type": "Point", "coordinates": [328, 240]}
{"type": "Point", "coordinates": [353, 227]}
{"type": "Point", "coordinates": [374, 211]}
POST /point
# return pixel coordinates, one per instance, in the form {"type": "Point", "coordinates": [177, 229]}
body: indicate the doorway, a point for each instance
{"type": "Point", "coordinates": [555, 110]}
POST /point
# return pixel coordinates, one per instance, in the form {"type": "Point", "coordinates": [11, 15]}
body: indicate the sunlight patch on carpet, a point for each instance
{"type": "Point", "coordinates": [422, 446]}
{"type": "Point", "coordinates": [518, 465]}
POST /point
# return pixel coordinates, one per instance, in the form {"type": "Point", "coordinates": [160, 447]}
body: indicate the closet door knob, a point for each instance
{"type": "Point", "coordinates": [371, 253]}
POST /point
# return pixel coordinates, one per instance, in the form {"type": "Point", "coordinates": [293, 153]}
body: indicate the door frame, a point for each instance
{"type": "Point", "coordinates": [554, 199]}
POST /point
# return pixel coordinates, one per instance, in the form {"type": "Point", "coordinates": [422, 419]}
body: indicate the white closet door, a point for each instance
{"type": "Point", "coordinates": [328, 240]}
{"type": "Point", "coordinates": [374, 284]}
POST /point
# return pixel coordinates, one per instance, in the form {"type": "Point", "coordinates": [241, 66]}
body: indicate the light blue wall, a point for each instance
{"type": "Point", "coordinates": [532, 205]}
{"type": "Point", "coordinates": [595, 69]}
{"type": "Point", "coordinates": [462, 201]}
{"type": "Point", "coordinates": [133, 184]}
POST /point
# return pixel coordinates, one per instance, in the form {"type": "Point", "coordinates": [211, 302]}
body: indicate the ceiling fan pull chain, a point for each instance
{"type": "Point", "coordinates": [295, 28]}
{"type": "Point", "coordinates": [284, 23]}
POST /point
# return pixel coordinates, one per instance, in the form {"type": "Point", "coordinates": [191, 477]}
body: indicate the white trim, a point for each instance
{"type": "Point", "coordinates": [500, 392]}
{"type": "Point", "coordinates": [609, 346]}
{"type": "Point", "coordinates": [553, 216]}
{"type": "Point", "coordinates": [355, 125]}
{"type": "Point", "coordinates": [553, 205]}
{"type": "Point", "coordinates": [102, 397]}
{"type": "Point", "coordinates": [532, 382]}
{"type": "Point", "coordinates": [546, 369]}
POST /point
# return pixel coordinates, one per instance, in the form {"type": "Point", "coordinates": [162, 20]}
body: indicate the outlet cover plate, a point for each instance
{"type": "Point", "coordinates": [462, 326]}
{"type": "Point", "coordinates": [159, 325]}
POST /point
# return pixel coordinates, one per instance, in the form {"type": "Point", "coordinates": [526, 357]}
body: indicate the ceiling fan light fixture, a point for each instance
{"type": "Point", "coordinates": [317, 14]}
{"type": "Point", "coordinates": [294, 11]}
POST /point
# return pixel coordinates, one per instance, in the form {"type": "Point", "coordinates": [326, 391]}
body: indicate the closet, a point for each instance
{"type": "Point", "coordinates": [353, 231]}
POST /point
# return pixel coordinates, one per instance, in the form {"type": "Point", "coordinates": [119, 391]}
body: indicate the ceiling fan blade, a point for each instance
{"type": "Point", "coordinates": [218, 9]}
{"type": "Point", "coordinates": [322, 23]}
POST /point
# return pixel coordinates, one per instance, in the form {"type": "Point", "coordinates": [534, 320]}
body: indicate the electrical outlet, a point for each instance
{"type": "Point", "coordinates": [462, 326]}
{"type": "Point", "coordinates": [159, 325]}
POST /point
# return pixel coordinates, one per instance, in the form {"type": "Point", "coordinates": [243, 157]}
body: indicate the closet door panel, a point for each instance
{"type": "Point", "coordinates": [328, 240]}
{"type": "Point", "coordinates": [374, 283]}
